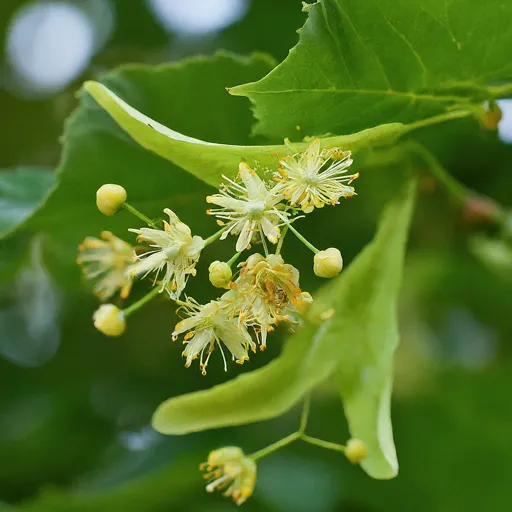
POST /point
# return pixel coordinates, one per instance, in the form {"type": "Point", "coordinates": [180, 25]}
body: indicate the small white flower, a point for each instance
{"type": "Point", "coordinates": [106, 261]}
{"type": "Point", "coordinates": [208, 326]}
{"type": "Point", "coordinates": [176, 254]}
{"type": "Point", "coordinates": [316, 177]}
{"type": "Point", "coordinates": [247, 209]}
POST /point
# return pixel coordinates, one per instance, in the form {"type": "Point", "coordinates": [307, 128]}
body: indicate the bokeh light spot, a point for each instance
{"type": "Point", "coordinates": [197, 17]}
{"type": "Point", "coordinates": [48, 45]}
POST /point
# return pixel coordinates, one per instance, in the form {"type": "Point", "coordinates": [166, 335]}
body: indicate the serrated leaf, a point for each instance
{"type": "Point", "coordinates": [356, 342]}
{"type": "Point", "coordinates": [21, 191]}
{"type": "Point", "coordinates": [359, 64]}
{"type": "Point", "coordinates": [209, 161]}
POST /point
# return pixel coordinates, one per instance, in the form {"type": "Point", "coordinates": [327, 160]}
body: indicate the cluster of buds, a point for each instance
{"type": "Point", "coordinates": [261, 292]}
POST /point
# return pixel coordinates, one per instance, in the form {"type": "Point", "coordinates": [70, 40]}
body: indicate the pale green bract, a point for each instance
{"type": "Point", "coordinates": [357, 342]}
{"type": "Point", "coordinates": [209, 161]}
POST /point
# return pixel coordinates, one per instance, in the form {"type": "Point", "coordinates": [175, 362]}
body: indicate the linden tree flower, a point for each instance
{"type": "Point", "coordinates": [220, 274]}
{"type": "Point", "coordinates": [109, 320]}
{"type": "Point", "coordinates": [106, 261]}
{"type": "Point", "coordinates": [211, 325]}
{"type": "Point", "coordinates": [355, 451]}
{"type": "Point", "coordinates": [176, 254]}
{"type": "Point", "coordinates": [247, 209]}
{"type": "Point", "coordinates": [265, 289]}
{"type": "Point", "coordinates": [109, 198]}
{"type": "Point", "coordinates": [316, 177]}
{"type": "Point", "coordinates": [328, 263]}
{"type": "Point", "coordinates": [228, 468]}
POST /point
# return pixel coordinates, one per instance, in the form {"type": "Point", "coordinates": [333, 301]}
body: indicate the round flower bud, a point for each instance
{"type": "Point", "coordinates": [109, 198]}
{"type": "Point", "coordinates": [109, 320]}
{"type": "Point", "coordinates": [328, 263]}
{"type": "Point", "coordinates": [355, 451]}
{"type": "Point", "coordinates": [220, 274]}
{"type": "Point", "coordinates": [304, 300]}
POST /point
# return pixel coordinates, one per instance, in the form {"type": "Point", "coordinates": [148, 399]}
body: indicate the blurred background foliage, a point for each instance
{"type": "Point", "coordinates": [75, 406]}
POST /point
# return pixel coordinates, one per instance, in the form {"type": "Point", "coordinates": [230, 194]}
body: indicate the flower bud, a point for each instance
{"type": "Point", "coordinates": [328, 263]}
{"type": "Point", "coordinates": [109, 320]}
{"type": "Point", "coordinates": [220, 274]}
{"type": "Point", "coordinates": [109, 198]}
{"type": "Point", "coordinates": [304, 300]}
{"type": "Point", "coordinates": [355, 451]}
{"type": "Point", "coordinates": [491, 117]}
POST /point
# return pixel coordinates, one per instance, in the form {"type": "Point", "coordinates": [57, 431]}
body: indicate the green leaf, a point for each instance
{"type": "Point", "coordinates": [209, 161]}
{"type": "Point", "coordinates": [357, 342]}
{"type": "Point", "coordinates": [21, 191]}
{"type": "Point", "coordinates": [97, 151]}
{"type": "Point", "coordinates": [359, 64]}
{"type": "Point", "coordinates": [30, 334]}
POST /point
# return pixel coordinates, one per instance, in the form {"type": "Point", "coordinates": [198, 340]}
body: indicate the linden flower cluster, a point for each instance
{"type": "Point", "coordinates": [261, 292]}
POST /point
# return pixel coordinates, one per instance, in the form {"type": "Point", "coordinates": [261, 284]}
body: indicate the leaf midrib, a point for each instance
{"type": "Point", "coordinates": [382, 92]}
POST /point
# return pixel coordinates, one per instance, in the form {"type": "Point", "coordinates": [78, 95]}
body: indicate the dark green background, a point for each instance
{"type": "Point", "coordinates": [66, 427]}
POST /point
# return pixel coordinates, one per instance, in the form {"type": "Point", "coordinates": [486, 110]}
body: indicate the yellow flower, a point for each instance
{"type": "Point", "coordinates": [176, 253]}
{"type": "Point", "coordinates": [266, 290]}
{"type": "Point", "coordinates": [316, 177]}
{"type": "Point", "coordinates": [209, 326]}
{"type": "Point", "coordinates": [106, 261]}
{"type": "Point", "coordinates": [230, 470]}
{"type": "Point", "coordinates": [247, 209]}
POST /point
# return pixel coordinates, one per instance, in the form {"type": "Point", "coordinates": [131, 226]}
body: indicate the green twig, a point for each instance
{"type": "Point", "coordinates": [214, 237]}
{"type": "Point", "coordinates": [275, 446]}
{"type": "Point", "coordinates": [302, 239]}
{"type": "Point", "coordinates": [281, 239]}
{"type": "Point", "coordinates": [141, 302]}
{"type": "Point", "coordinates": [323, 444]}
{"type": "Point", "coordinates": [140, 215]}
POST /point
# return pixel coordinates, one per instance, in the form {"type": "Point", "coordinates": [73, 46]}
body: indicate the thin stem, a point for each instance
{"type": "Point", "coordinates": [264, 243]}
{"type": "Point", "coordinates": [141, 302]}
{"type": "Point", "coordinates": [275, 446]}
{"type": "Point", "coordinates": [452, 186]}
{"type": "Point", "coordinates": [302, 239]}
{"type": "Point", "coordinates": [323, 444]}
{"type": "Point", "coordinates": [500, 91]}
{"type": "Point", "coordinates": [214, 237]}
{"type": "Point", "coordinates": [281, 239]}
{"type": "Point", "coordinates": [234, 258]}
{"type": "Point", "coordinates": [447, 181]}
{"type": "Point", "coordinates": [441, 118]}
{"type": "Point", "coordinates": [140, 215]}
{"type": "Point", "coordinates": [305, 414]}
